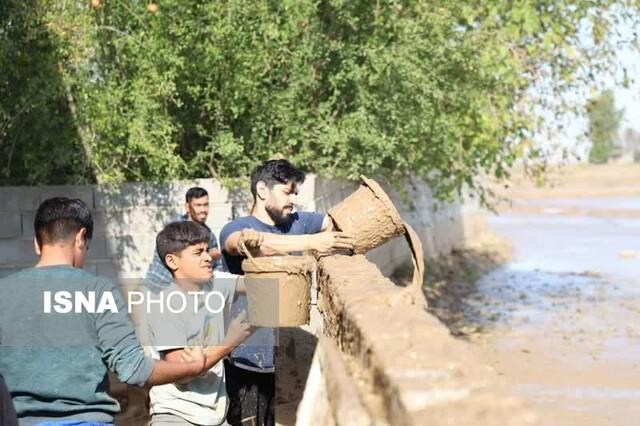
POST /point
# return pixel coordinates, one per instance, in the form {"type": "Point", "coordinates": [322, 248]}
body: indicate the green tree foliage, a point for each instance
{"type": "Point", "coordinates": [436, 89]}
{"type": "Point", "coordinates": [604, 123]}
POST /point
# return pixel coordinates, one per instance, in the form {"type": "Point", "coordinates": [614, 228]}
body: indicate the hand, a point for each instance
{"type": "Point", "coordinates": [251, 238]}
{"type": "Point", "coordinates": [239, 330]}
{"type": "Point", "coordinates": [195, 355]}
{"type": "Point", "coordinates": [332, 241]}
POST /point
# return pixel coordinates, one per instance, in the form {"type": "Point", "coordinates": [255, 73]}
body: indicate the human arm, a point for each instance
{"type": "Point", "coordinates": [213, 249]}
{"type": "Point", "coordinates": [239, 330]}
{"type": "Point", "coordinates": [173, 370]}
{"type": "Point", "coordinates": [230, 284]}
{"type": "Point", "coordinates": [273, 244]}
{"type": "Point", "coordinates": [241, 286]}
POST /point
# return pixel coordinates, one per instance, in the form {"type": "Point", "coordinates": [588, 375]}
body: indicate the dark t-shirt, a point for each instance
{"type": "Point", "coordinates": [256, 353]}
{"type": "Point", "coordinates": [300, 224]}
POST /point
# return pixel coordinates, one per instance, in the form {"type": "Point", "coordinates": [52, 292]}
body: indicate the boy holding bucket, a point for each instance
{"type": "Point", "coordinates": [279, 230]}
{"type": "Point", "coordinates": [191, 316]}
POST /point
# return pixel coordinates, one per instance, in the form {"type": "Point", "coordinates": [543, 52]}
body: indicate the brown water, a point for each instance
{"type": "Point", "coordinates": [564, 315]}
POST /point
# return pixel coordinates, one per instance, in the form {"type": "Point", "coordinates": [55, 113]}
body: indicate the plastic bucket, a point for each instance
{"type": "Point", "coordinates": [278, 289]}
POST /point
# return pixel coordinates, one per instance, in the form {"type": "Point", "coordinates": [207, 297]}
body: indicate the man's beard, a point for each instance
{"type": "Point", "coordinates": [277, 215]}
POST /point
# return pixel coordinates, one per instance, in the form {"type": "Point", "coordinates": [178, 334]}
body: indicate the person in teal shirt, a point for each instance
{"type": "Point", "coordinates": [55, 362]}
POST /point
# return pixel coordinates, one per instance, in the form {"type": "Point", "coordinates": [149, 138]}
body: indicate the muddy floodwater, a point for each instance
{"type": "Point", "coordinates": [563, 317]}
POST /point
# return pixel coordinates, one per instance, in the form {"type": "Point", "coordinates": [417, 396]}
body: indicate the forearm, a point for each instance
{"type": "Point", "coordinates": [170, 372]}
{"type": "Point", "coordinates": [274, 244]}
{"type": "Point", "coordinates": [215, 354]}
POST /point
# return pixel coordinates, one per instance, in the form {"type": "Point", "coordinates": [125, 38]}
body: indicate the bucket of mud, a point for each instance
{"type": "Point", "coordinates": [369, 215]}
{"type": "Point", "coordinates": [278, 289]}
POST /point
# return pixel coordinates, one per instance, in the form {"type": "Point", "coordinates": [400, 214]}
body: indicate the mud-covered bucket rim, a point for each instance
{"type": "Point", "coordinates": [287, 264]}
{"type": "Point", "coordinates": [382, 195]}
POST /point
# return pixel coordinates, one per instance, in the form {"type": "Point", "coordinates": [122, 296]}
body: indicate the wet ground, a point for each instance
{"type": "Point", "coordinates": [561, 321]}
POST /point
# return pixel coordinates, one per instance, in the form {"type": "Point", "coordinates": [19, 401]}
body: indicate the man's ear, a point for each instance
{"type": "Point", "coordinates": [36, 247]}
{"type": "Point", "coordinates": [80, 239]}
{"type": "Point", "coordinates": [262, 190]}
{"type": "Point", "coordinates": [172, 261]}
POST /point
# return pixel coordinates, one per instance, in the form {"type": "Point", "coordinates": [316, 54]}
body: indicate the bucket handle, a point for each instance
{"type": "Point", "coordinates": [243, 246]}
{"type": "Point", "coordinates": [417, 256]}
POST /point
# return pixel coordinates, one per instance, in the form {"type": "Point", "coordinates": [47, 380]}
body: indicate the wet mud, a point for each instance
{"type": "Point", "coordinates": [559, 319]}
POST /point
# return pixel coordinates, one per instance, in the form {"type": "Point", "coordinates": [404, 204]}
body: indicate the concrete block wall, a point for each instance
{"type": "Point", "coordinates": [126, 217]}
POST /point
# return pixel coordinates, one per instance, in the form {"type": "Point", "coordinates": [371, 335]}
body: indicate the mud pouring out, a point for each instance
{"type": "Point", "coordinates": [279, 287]}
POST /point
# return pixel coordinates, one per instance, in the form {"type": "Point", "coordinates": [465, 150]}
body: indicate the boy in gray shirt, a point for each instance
{"type": "Point", "coordinates": [192, 315]}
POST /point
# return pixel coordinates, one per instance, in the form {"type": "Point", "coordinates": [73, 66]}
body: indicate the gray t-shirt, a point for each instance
{"type": "Point", "coordinates": [198, 322]}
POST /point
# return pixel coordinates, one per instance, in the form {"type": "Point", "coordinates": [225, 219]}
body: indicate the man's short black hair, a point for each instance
{"type": "Point", "coordinates": [196, 192]}
{"type": "Point", "coordinates": [60, 218]}
{"type": "Point", "coordinates": [177, 236]}
{"type": "Point", "coordinates": [273, 172]}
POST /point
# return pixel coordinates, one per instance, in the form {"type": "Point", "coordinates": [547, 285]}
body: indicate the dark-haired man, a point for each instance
{"type": "Point", "coordinates": [197, 210]}
{"type": "Point", "coordinates": [54, 359]}
{"type": "Point", "coordinates": [280, 229]}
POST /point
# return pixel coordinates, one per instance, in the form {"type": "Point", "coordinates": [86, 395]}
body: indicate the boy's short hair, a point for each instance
{"type": "Point", "coordinates": [273, 172]}
{"type": "Point", "coordinates": [195, 192]}
{"type": "Point", "coordinates": [177, 236]}
{"type": "Point", "coordinates": [60, 218]}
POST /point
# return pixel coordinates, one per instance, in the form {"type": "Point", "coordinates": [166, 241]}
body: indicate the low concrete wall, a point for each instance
{"type": "Point", "coordinates": [401, 362]}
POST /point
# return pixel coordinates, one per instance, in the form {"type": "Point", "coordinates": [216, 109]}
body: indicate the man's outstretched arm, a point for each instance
{"type": "Point", "coordinates": [274, 244]}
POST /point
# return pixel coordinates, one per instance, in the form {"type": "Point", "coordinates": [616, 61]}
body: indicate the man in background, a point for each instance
{"type": "Point", "coordinates": [197, 210]}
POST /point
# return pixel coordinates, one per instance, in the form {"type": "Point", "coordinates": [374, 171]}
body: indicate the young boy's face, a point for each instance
{"type": "Point", "coordinates": [193, 263]}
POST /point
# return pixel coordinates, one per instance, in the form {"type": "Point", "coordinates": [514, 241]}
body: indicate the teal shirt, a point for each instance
{"type": "Point", "coordinates": [55, 364]}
